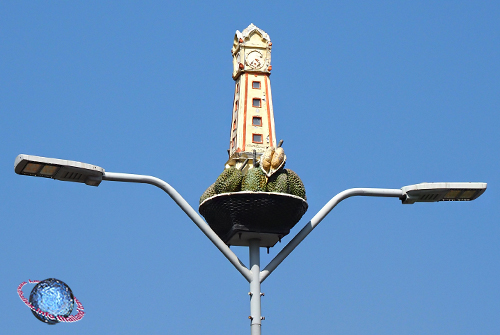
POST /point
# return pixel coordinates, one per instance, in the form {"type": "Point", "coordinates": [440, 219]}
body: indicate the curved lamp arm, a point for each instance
{"type": "Point", "coordinates": [368, 192]}
{"type": "Point", "coordinates": [179, 200]}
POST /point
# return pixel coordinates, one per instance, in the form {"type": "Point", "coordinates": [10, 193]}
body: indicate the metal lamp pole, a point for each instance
{"type": "Point", "coordinates": [93, 175]}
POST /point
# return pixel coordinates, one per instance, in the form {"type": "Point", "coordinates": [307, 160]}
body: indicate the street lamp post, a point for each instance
{"type": "Point", "coordinates": [92, 175]}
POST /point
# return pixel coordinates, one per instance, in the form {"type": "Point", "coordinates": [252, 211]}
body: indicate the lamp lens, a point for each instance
{"type": "Point", "coordinates": [49, 170]}
{"type": "Point", "coordinates": [467, 194]}
{"type": "Point", "coordinates": [452, 195]}
{"type": "Point", "coordinates": [32, 168]}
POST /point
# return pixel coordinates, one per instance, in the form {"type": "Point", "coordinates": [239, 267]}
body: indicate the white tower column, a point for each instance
{"type": "Point", "coordinates": [252, 123]}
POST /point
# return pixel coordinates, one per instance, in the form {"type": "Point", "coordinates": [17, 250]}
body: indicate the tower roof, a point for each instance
{"type": "Point", "coordinates": [248, 31]}
{"type": "Point", "coordinates": [251, 36]}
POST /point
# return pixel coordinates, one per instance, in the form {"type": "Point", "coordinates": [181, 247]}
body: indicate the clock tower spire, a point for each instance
{"type": "Point", "coordinates": [252, 125]}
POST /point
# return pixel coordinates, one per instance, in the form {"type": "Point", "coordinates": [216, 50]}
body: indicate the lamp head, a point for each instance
{"type": "Point", "coordinates": [59, 169]}
{"type": "Point", "coordinates": [432, 192]}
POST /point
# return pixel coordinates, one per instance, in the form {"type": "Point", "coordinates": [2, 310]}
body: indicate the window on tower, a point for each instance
{"type": "Point", "coordinates": [236, 105]}
{"type": "Point", "coordinates": [257, 121]}
{"type": "Point", "coordinates": [256, 84]}
{"type": "Point", "coordinates": [257, 138]}
{"type": "Point", "coordinates": [256, 102]}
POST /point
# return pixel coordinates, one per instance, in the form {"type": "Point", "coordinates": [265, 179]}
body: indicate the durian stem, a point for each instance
{"type": "Point", "coordinates": [244, 164]}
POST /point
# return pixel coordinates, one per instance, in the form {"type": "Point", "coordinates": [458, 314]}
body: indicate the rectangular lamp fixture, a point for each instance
{"type": "Point", "coordinates": [432, 192]}
{"type": "Point", "coordinates": [59, 169]}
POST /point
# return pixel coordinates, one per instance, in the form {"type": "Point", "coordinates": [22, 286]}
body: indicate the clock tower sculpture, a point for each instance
{"type": "Point", "coordinates": [252, 124]}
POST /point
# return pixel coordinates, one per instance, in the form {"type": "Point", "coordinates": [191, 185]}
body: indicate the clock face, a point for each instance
{"type": "Point", "coordinates": [254, 59]}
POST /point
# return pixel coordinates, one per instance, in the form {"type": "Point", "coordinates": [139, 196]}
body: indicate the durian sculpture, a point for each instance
{"type": "Point", "coordinates": [254, 197]}
{"type": "Point", "coordinates": [267, 175]}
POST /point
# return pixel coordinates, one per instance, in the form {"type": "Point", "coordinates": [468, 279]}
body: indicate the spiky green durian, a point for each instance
{"type": "Point", "coordinates": [295, 185]}
{"type": "Point", "coordinates": [209, 192]}
{"type": "Point", "coordinates": [278, 182]}
{"type": "Point", "coordinates": [228, 181]}
{"type": "Point", "coordinates": [255, 180]}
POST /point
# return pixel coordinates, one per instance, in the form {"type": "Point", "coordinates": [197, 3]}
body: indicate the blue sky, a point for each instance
{"type": "Point", "coordinates": [366, 94]}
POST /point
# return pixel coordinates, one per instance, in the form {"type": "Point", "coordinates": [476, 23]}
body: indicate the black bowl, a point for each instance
{"type": "Point", "coordinates": [240, 216]}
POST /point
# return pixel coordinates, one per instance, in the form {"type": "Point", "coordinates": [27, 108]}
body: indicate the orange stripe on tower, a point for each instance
{"type": "Point", "coordinates": [232, 120]}
{"type": "Point", "coordinates": [269, 113]}
{"type": "Point", "coordinates": [245, 113]}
